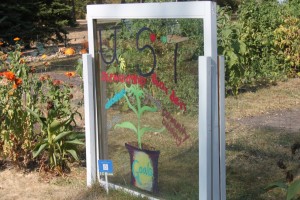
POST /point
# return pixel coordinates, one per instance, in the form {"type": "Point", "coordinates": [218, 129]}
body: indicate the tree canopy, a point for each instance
{"type": "Point", "coordinates": [36, 20]}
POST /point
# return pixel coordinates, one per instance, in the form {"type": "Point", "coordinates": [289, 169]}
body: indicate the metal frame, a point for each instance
{"type": "Point", "coordinates": [211, 88]}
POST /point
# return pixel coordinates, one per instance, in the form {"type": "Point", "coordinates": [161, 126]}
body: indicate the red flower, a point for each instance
{"type": "Point", "coordinates": [57, 82]}
{"type": "Point", "coordinates": [152, 37]}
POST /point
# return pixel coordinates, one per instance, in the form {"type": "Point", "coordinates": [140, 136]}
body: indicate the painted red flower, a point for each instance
{"type": "Point", "coordinates": [152, 37]}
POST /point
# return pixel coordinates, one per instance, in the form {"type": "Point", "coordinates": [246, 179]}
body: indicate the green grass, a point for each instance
{"type": "Point", "coordinates": [253, 150]}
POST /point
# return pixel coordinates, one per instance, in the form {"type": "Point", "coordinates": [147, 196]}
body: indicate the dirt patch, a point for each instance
{"type": "Point", "coordinates": [287, 120]}
{"type": "Point", "coordinates": [17, 185]}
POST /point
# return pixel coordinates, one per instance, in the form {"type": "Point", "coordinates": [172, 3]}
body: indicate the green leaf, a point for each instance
{"type": "Point", "coordinates": [62, 135]}
{"type": "Point", "coordinates": [39, 119]}
{"type": "Point", "coordinates": [75, 141]}
{"type": "Point", "coordinates": [226, 33]}
{"type": "Point", "coordinates": [243, 48]}
{"type": "Point", "coordinates": [233, 59]}
{"type": "Point", "coordinates": [55, 125]}
{"type": "Point", "coordinates": [293, 190]}
{"type": "Point", "coordinates": [128, 125]}
{"type": "Point", "coordinates": [41, 146]}
{"type": "Point", "coordinates": [54, 159]}
{"type": "Point", "coordinates": [73, 153]}
{"type": "Point", "coordinates": [277, 184]}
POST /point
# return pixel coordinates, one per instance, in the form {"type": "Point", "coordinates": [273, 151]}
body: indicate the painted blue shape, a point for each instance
{"type": "Point", "coordinates": [115, 99]}
{"type": "Point", "coordinates": [105, 166]}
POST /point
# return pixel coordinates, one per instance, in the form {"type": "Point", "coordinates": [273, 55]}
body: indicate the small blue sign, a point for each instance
{"type": "Point", "coordinates": [105, 166]}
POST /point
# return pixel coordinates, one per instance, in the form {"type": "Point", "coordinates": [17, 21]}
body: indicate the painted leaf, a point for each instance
{"type": "Point", "coordinates": [130, 105]}
{"type": "Point", "coordinates": [128, 125]}
{"type": "Point", "coordinates": [163, 39]}
{"type": "Point", "coordinates": [147, 129]}
{"type": "Point", "coordinates": [147, 108]}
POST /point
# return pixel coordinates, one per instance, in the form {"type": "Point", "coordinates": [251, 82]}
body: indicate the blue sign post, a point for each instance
{"type": "Point", "coordinates": [105, 168]}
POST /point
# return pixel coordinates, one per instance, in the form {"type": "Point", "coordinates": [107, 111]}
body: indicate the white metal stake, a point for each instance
{"type": "Point", "coordinates": [106, 181]}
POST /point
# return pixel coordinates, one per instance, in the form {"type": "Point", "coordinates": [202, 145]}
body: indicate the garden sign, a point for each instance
{"type": "Point", "coordinates": [154, 99]}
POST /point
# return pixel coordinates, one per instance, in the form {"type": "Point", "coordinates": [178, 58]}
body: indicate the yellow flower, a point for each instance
{"type": "Point", "coordinates": [44, 56]}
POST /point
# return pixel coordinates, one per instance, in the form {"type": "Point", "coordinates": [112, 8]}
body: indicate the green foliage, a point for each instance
{"type": "Point", "coordinates": [17, 89]}
{"type": "Point", "coordinates": [287, 42]}
{"type": "Point", "coordinates": [139, 110]}
{"type": "Point", "coordinates": [26, 100]}
{"type": "Point", "coordinates": [59, 140]}
{"type": "Point", "coordinates": [250, 46]}
{"type": "Point", "coordinates": [292, 189]}
{"type": "Point", "coordinates": [34, 21]}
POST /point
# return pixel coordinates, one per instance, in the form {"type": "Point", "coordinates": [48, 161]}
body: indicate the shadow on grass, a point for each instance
{"type": "Point", "coordinates": [252, 162]}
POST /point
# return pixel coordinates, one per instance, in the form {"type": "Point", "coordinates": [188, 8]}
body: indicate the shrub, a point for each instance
{"type": "Point", "coordinates": [26, 100]}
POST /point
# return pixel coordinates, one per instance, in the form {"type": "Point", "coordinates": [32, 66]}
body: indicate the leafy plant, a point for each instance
{"type": "Point", "coordinates": [60, 140]}
{"type": "Point", "coordinates": [289, 184]}
{"type": "Point", "coordinates": [292, 189]}
{"type": "Point", "coordinates": [287, 42]}
{"type": "Point", "coordinates": [139, 110]}
{"type": "Point", "coordinates": [18, 88]}
{"type": "Point", "coordinates": [26, 100]}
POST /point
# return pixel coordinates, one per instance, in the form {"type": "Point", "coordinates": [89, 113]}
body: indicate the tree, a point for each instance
{"type": "Point", "coordinates": [33, 20]}
{"type": "Point", "coordinates": [17, 20]}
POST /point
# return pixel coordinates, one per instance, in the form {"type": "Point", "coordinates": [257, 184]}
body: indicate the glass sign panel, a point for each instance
{"type": "Point", "coordinates": [149, 68]}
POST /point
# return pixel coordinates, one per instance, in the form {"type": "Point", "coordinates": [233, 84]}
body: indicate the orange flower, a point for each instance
{"type": "Point", "coordinates": [69, 51]}
{"type": "Point", "coordinates": [44, 77]}
{"type": "Point", "coordinates": [22, 61]}
{"type": "Point", "coordinates": [9, 75]}
{"type": "Point", "coordinates": [18, 81]}
{"type": "Point", "coordinates": [57, 82]}
{"type": "Point", "coordinates": [10, 93]}
{"type": "Point", "coordinates": [70, 74]}
{"type": "Point", "coordinates": [16, 39]}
